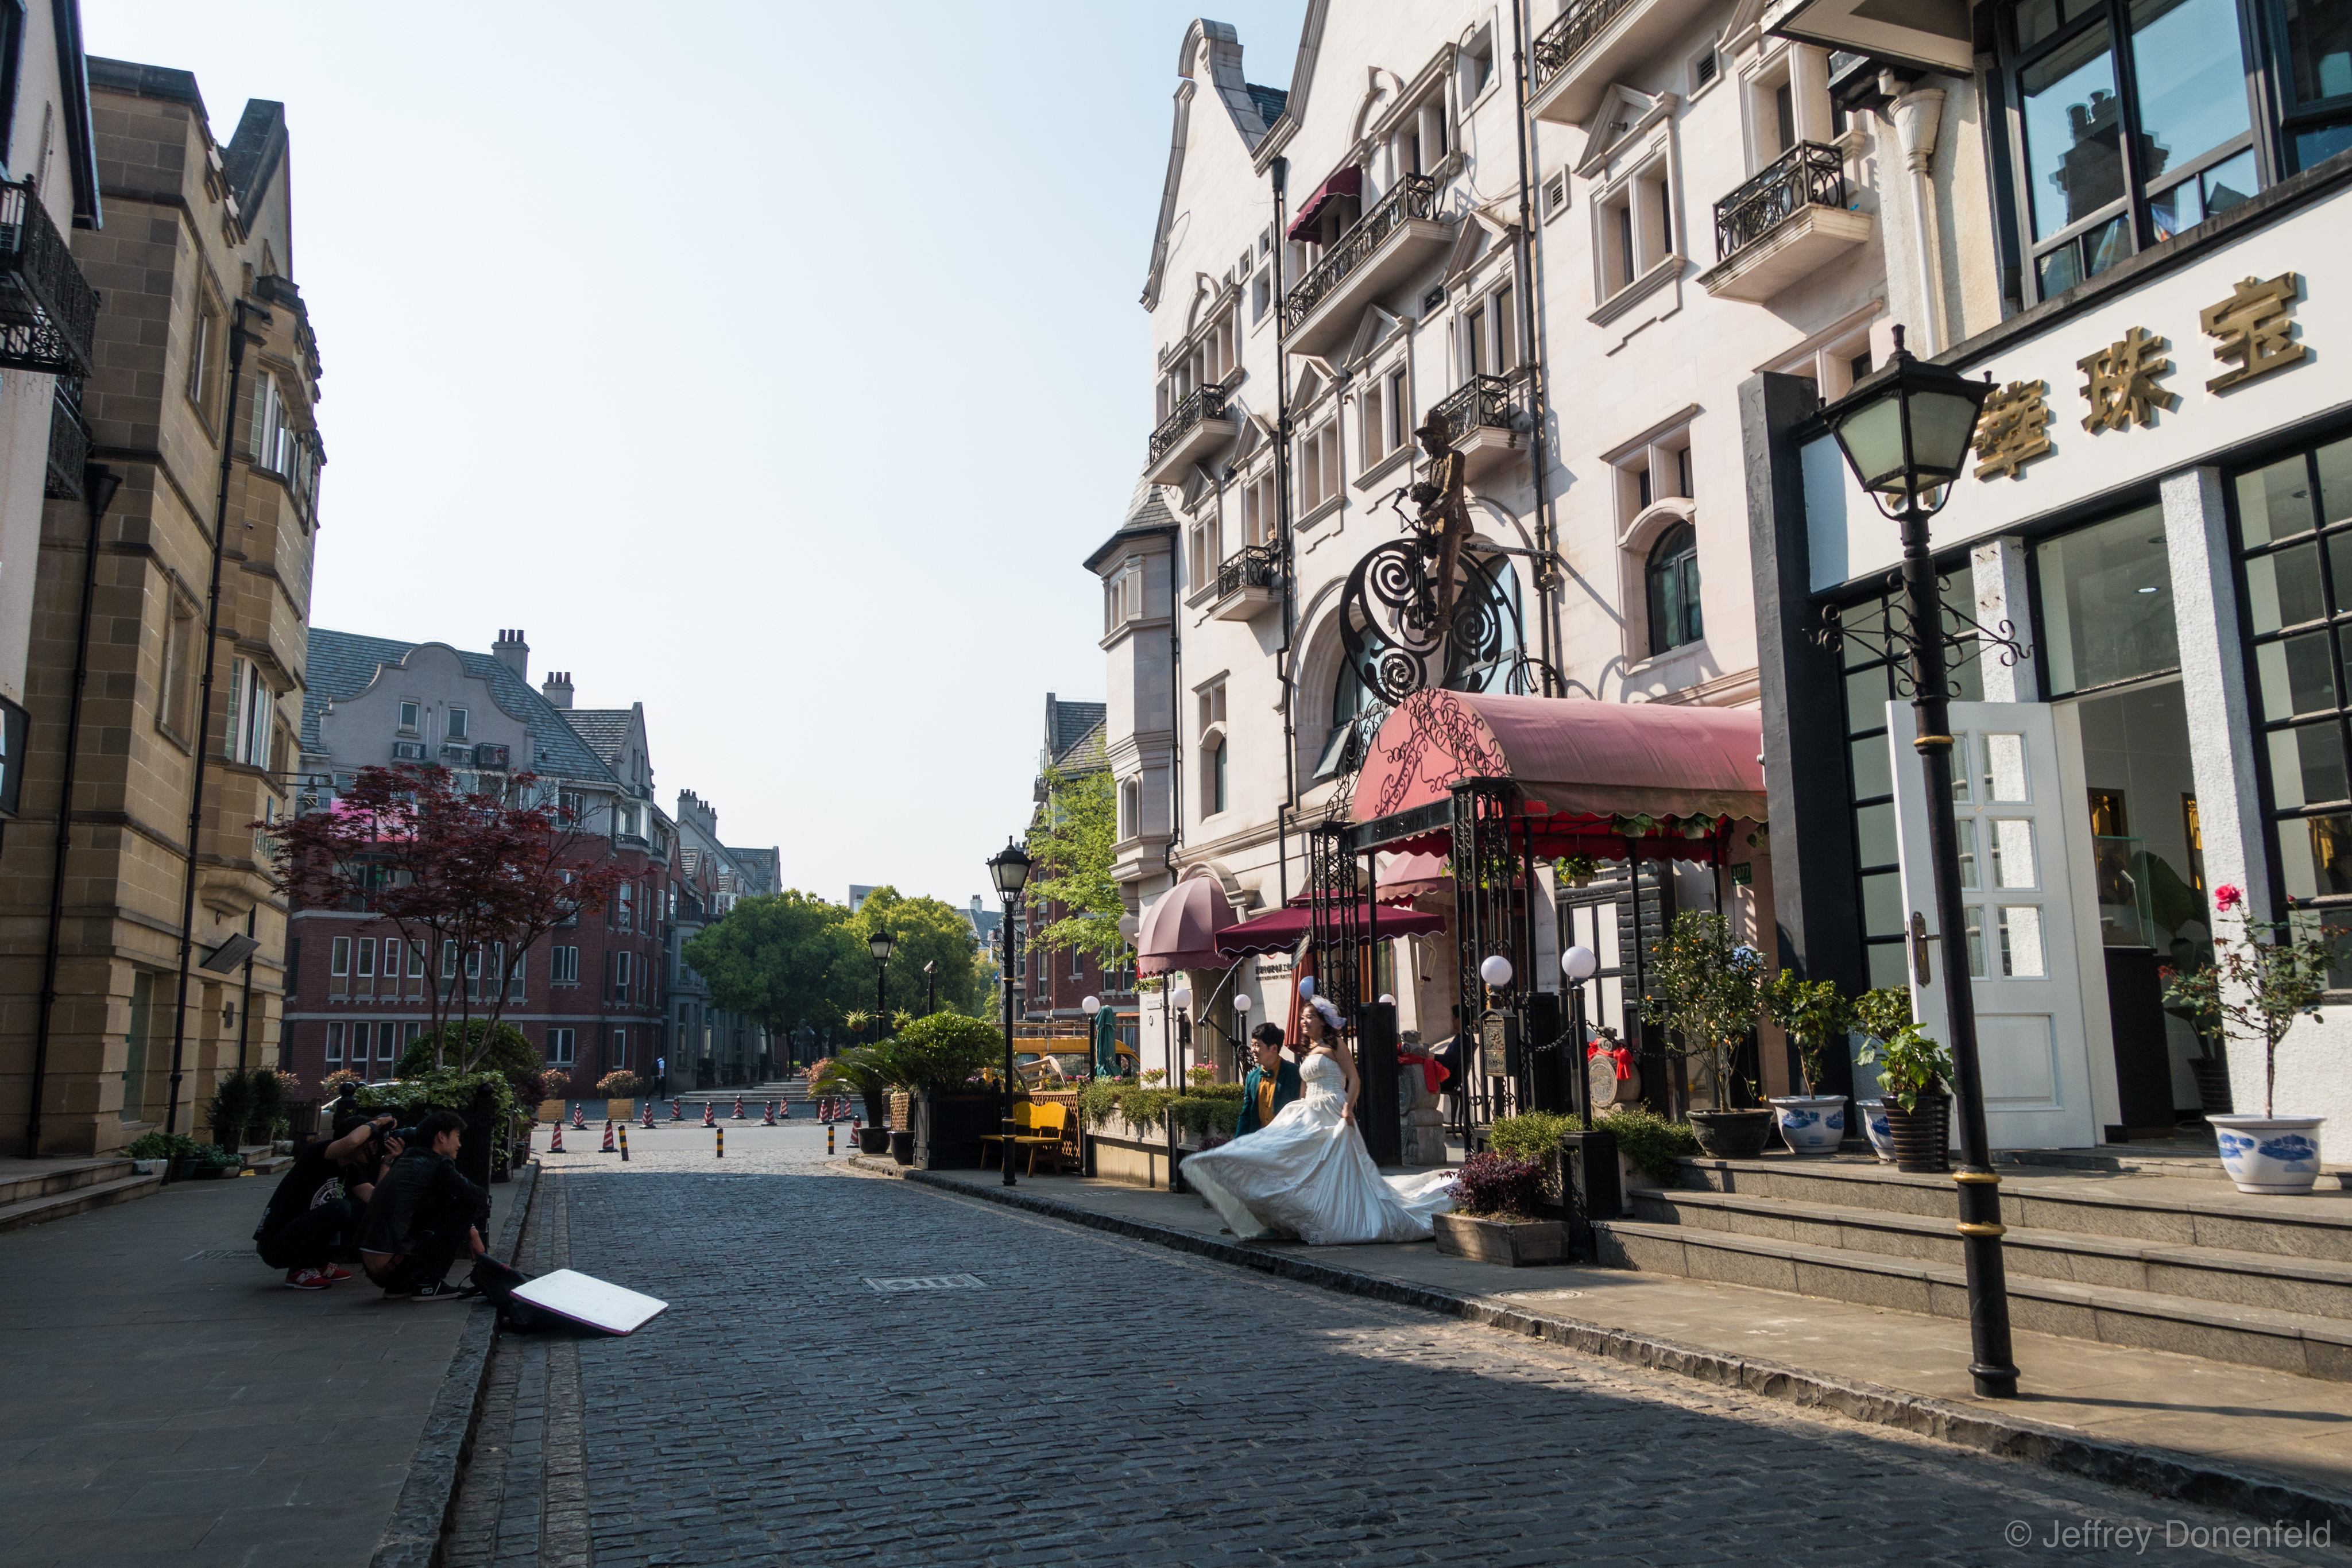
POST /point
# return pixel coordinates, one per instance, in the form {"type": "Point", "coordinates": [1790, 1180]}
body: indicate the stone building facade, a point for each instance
{"type": "Point", "coordinates": [206, 380]}
{"type": "Point", "coordinates": [714, 1047]}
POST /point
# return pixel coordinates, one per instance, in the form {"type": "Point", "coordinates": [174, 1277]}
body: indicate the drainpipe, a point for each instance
{"type": "Point", "coordinates": [1917, 115]}
{"type": "Point", "coordinates": [98, 487]}
{"type": "Point", "coordinates": [1280, 170]}
{"type": "Point", "coordinates": [1548, 569]}
{"type": "Point", "coordinates": [205, 715]}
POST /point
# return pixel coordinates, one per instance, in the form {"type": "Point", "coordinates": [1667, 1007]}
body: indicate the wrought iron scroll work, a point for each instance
{"type": "Point", "coordinates": [1892, 640]}
{"type": "Point", "coordinates": [1485, 916]}
{"type": "Point", "coordinates": [1388, 631]}
{"type": "Point", "coordinates": [1332, 911]}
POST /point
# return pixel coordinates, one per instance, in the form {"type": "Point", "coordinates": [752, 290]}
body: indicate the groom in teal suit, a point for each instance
{"type": "Point", "coordinates": [1271, 1084]}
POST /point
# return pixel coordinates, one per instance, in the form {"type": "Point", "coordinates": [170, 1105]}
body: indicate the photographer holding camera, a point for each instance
{"type": "Point", "coordinates": [316, 1208]}
{"type": "Point", "coordinates": [423, 1213]}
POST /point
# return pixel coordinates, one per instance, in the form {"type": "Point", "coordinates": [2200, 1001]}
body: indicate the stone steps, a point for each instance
{"type": "Point", "coordinates": [38, 1196]}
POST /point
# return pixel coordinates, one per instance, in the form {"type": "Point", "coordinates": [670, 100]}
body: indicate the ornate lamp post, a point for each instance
{"type": "Point", "coordinates": [1906, 434]}
{"type": "Point", "coordinates": [879, 945]}
{"type": "Point", "coordinates": [930, 986]}
{"type": "Point", "coordinates": [1010, 870]}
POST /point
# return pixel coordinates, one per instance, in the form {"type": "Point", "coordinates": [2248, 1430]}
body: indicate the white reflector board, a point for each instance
{"type": "Point", "coordinates": [583, 1298]}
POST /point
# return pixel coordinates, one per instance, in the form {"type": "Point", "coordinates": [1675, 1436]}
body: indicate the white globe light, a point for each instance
{"type": "Point", "coordinates": [1092, 1005]}
{"type": "Point", "coordinates": [1387, 1000]}
{"type": "Point", "coordinates": [1182, 995]}
{"type": "Point", "coordinates": [1128, 926]}
{"type": "Point", "coordinates": [1495, 971]}
{"type": "Point", "coordinates": [1579, 963]}
{"type": "Point", "coordinates": [1241, 1005]}
{"type": "Point", "coordinates": [1306, 985]}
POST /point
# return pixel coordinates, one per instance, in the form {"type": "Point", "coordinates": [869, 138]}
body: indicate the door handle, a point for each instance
{"type": "Point", "coordinates": [1917, 941]}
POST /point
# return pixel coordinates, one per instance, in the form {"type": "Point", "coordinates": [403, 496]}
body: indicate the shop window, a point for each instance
{"type": "Point", "coordinates": [2106, 595]}
{"type": "Point", "coordinates": [1671, 581]}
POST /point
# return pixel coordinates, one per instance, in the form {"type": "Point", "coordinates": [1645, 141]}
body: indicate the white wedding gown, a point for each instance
{"type": "Point", "coordinates": [1306, 1174]}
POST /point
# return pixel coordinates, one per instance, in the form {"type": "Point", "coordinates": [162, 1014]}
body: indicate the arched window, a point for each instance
{"type": "Point", "coordinates": [1213, 781]}
{"type": "Point", "coordinates": [1672, 579]}
{"type": "Point", "coordinates": [1343, 750]}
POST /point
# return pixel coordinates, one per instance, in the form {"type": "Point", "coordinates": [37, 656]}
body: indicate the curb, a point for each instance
{"type": "Point", "coordinates": [420, 1519]}
{"type": "Point", "coordinates": [2155, 1471]}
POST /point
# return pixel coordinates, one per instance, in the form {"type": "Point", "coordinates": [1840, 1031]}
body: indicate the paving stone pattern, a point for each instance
{"type": "Point", "coordinates": [1106, 1402]}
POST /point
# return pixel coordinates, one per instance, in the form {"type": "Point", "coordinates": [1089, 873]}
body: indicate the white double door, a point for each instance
{"type": "Point", "coordinates": [2021, 942]}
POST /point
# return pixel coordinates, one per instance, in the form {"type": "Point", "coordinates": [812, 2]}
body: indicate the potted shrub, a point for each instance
{"type": "Point", "coordinates": [1494, 1218]}
{"type": "Point", "coordinates": [1535, 1135]}
{"type": "Point", "coordinates": [619, 1089]}
{"type": "Point", "coordinates": [231, 1108]}
{"type": "Point", "coordinates": [1650, 1145]}
{"type": "Point", "coordinates": [939, 1059]}
{"type": "Point", "coordinates": [1915, 1073]}
{"type": "Point", "coordinates": [214, 1161]}
{"type": "Point", "coordinates": [1878, 1016]}
{"type": "Point", "coordinates": [553, 1085]}
{"type": "Point", "coordinates": [176, 1151]}
{"type": "Point", "coordinates": [860, 1070]}
{"type": "Point", "coordinates": [1813, 1013]}
{"type": "Point", "coordinates": [2262, 984]}
{"type": "Point", "coordinates": [1707, 989]}
{"type": "Point", "coordinates": [2195, 999]}
{"type": "Point", "coordinates": [1579, 870]}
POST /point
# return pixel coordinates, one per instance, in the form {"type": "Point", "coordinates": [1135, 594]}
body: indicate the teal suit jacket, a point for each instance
{"type": "Point", "coordinates": [1286, 1090]}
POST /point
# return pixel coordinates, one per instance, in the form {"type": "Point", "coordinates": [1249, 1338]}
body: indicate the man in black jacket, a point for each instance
{"type": "Point", "coordinates": [423, 1213]}
{"type": "Point", "coordinates": [318, 1203]}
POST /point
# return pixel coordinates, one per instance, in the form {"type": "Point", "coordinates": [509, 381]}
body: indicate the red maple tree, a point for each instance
{"type": "Point", "coordinates": [471, 880]}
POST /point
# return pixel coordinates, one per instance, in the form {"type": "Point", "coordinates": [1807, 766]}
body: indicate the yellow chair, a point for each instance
{"type": "Point", "coordinates": [1048, 1125]}
{"type": "Point", "coordinates": [1023, 1113]}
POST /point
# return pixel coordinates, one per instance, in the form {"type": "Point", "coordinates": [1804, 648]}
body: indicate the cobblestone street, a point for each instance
{"type": "Point", "coordinates": [1099, 1400]}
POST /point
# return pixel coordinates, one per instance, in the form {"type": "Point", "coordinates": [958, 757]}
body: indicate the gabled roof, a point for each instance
{"type": "Point", "coordinates": [605, 729]}
{"type": "Point", "coordinates": [1251, 109]}
{"type": "Point", "coordinates": [1090, 752]}
{"type": "Point", "coordinates": [342, 665]}
{"type": "Point", "coordinates": [1072, 723]}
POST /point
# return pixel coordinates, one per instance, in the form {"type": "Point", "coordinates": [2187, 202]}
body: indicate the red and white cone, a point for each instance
{"type": "Point", "coordinates": [709, 1115]}
{"type": "Point", "coordinates": [739, 1107]}
{"type": "Point", "coordinates": [677, 1110]}
{"type": "Point", "coordinates": [648, 1123]}
{"type": "Point", "coordinates": [608, 1140]}
{"type": "Point", "coordinates": [555, 1140]}
{"type": "Point", "coordinates": [579, 1118]}
{"type": "Point", "coordinates": [772, 1116]}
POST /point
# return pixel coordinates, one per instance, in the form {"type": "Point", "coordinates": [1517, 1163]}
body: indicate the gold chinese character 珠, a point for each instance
{"type": "Point", "coordinates": [2120, 382]}
{"type": "Point", "coordinates": [2256, 326]}
{"type": "Point", "coordinates": [2009, 431]}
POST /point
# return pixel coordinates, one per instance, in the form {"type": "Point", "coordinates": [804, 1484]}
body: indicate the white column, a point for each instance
{"type": "Point", "coordinates": [1808, 90]}
{"type": "Point", "coordinates": [1998, 568]}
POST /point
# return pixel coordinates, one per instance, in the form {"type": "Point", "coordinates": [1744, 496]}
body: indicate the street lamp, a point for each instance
{"type": "Point", "coordinates": [1009, 871]}
{"type": "Point", "coordinates": [1092, 1007]}
{"type": "Point", "coordinates": [1241, 1005]}
{"type": "Point", "coordinates": [1179, 996]}
{"type": "Point", "coordinates": [1578, 963]}
{"type": "Point", "coordinates": [1906, 434]}
{"type": "Point", "coordinates": [930, 986]}
{"type": "Point", "coordinates": [879, 945]}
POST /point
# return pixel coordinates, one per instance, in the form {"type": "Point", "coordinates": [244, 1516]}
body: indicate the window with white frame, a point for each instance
{"type": "Point", "coordinates": [1633, 227]}
{"type": "Point", "coordinates": [1476, 64]}
{"type": "Point", "coordinates": [1318, 466]}
{"type": "Point", "coordinates": [1130, 808]}
{"type": "Point", "coordinates": [624, 909]}
{"type": "Point", "coordinates": [387, 1042]}
{"type": "Point", "coordinates": [366, 969]}
{"type": "Point", "coordinates": [619, 1048]}
{"type": "Point", "coordinates": [1213, 730]}
{"type": "Point", "coordinates": [407, 717]}
{"type": "Point", "coordinates": [563, 967]}
{"type": "Point", "coordinates": [1787, 101]}
{"type": "Point", "coordinates": [1204, 359]}
{"type": "Point", "coordinates": [334, 1046]}
{"type": "Point", "coordinates": [460, 724]}
{"type": "Point", "coordinates": [1832, 366]}
{"type": "Point", "coordinates": [1123, 595]}
{"type": "Point", "coordinates": [623, 967]}
{"type": "Point", "coordinates": [1262, 285]}
{"type": "Point", "coordinates": [563, 1046]}
{"type": "Point", "coordinates": [1387, 405]}
{"type": "Point", "coordinates": [251, 705]}
{"type": "Point", "coordinates": [1487, 333]}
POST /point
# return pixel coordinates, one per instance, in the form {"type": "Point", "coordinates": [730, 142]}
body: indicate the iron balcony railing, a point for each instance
{"type": "Point", "coordinates": [1414, 196]}
{"type": "Point", "coordinates": [69, 443]}
{"type": "Point", "coordinates": [1577, 26]}
{"type": "Point", "coordinates": [1480, 401]}
{"type": "Point", "coordinates": [1809, 175]}
{"type": "Point", "coordinates": [1208, 402]}
{"type": "Point", "coordinates": [48, 311]}
{"type": "Point", "coordinates": [1256, 566]}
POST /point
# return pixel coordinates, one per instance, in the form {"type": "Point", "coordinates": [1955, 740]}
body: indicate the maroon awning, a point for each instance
{"type": "Point", "coordinates": [1181, 928]}
{"type": "Point", "coordinates": [1281, 929]}
{"type": "Point", "coordinates": [1347, 181]}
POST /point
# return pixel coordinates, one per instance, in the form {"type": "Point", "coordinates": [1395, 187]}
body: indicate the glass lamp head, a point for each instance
{"type": "Point", "coordinates": [1905, 431]}
{"type": "Point", "coordinates": [1009, 869]}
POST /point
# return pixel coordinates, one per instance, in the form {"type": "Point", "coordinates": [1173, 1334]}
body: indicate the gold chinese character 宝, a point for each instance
{"type": "Point", "coordinates": [2120, 382]}
{"type": "Point", "coordinates": [2256, 326]}
{"type": "Point", "coordinates": [2009, 431]}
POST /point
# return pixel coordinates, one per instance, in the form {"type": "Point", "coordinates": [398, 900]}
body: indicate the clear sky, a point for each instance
{"type": "Point", "coordinates": [773, 365]}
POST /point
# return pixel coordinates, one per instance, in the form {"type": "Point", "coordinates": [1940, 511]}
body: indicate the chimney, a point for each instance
{"type": "Point", "coordinates": [557, 688]}
{"type": "Point", "coordinates": [512, 652]}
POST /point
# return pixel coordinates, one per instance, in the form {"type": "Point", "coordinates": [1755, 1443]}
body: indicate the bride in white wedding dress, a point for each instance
{"type": "Point", "coordinates": [1306, 1173]}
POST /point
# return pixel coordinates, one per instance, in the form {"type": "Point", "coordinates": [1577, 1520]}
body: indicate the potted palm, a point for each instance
{"type": "Point", "coordinates": [1915, 1075]}
{"type": "Point", "coordinates": [1813, 1013]}
{"type": "Point", "coordinates": [2261, 986]}
{"type": "Point", "coordinates": [1707, 989]}
{"type": "Point", "coordinates": [862, 1071]}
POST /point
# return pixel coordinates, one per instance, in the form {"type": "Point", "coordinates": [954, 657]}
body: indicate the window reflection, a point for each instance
{"type": "Point", "coordinates": [2106, 603]}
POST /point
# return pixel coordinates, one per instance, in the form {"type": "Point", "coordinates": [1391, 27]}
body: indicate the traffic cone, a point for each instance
{"type": "Point", "coordinates": [608, 1140]}
{"type": "Point", "coordinates": [772, 1116]}
{"type": "Point", "coordinates": [709, 1115]}
{"type": "Point", "coordinates": [788, 1110]}
{"type": "Point", "coordinates": [624, 1143]}
{"type": "Point", "coordinates": [579, 1118]}
{"type": "Point", "coordinates": [677, 1110]}
{"type": "Point", "coordinates": [649, 1116]}
{"type": "Point", "coordinates": [722, 1139]}
{"type": "Point", "coordinates": [739, 1107]}
{"type": "Point", "coordinates": [555, 1139]}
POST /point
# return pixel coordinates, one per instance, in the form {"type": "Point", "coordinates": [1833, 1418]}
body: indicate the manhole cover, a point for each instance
{"type": "Point", "coordinates": [931, 1282]}
{"type": "Point", "coordinates": [218, 1255]}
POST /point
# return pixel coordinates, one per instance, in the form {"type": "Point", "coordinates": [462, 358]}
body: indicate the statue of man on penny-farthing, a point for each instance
{"type": "Point", "coordinates": [1444, 521]}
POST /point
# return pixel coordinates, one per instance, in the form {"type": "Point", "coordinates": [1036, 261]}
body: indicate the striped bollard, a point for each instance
{"type": "Point", "coordinates": [624, 1143]}
{"type": "Point", "coordinates": [722, 1139]}
{"type": "Point", "coordinates": [828, 1140]}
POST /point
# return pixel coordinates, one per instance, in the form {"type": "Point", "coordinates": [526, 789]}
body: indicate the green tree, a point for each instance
{"type": "Point", "coordinates": [1070, 845]}
{"type": "Point", "coordinates": [783, 957]}
{"type": "Point", "coordinates": [926, 932]}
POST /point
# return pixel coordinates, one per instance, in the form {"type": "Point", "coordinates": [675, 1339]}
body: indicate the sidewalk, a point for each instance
{"type": "Point", "coordinates": [171, 1402]}
{"type": "Point", "coordinates": [2266, 1442]}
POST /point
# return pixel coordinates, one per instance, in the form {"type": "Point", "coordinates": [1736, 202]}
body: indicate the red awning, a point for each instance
{"type": "Point", "coordinates": [1347, 181]}
{"type": "Point", "coordinates": [1280, 930]}
{"type": "Point", "coordinates": [1569, 756]}
{"type": "Point", "coordinates": [1179, 930]}
{"type": "Point", "coordinates": [1408, 876]}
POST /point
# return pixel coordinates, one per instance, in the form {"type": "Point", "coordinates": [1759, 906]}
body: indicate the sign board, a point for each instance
{"type": "Point", "coordinates": [583, 1298]}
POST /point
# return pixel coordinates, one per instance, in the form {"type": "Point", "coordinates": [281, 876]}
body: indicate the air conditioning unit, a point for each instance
{"type": "Point", "coordinates": [408, 752]}
{"type": "Point", "coordinates": [488, 756]}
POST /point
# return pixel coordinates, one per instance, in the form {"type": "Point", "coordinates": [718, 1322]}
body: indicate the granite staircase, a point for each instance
{"type": "Point", "coordinates": [2170, 1256]}
{"type": "Point", "coordinates": [34, 1192]}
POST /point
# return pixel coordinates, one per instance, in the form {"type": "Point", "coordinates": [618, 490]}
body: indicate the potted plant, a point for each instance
{"type": "Point", "coordinates": [860, 1070]}
{"type": "Point", "coordinates": [1915, 1075]}
{"type": "Point", "coordinates": [1535, 1135]}
{"type": "Point", "coordinates": [2263, 984]}
{"type": "Point", "coordinates": [1579, 870]}
{"type": "Point", "coordinates": [1813, 1013]}
{"type": "Point", "coordinates": [1707, 988]}
{"type": "Point", "coordinates": [1877, 1015]}
{"type": "Point", "coordinates": [231, 1108]}
{"type": "Point", "coordinates": [1494, 1218]}
{"type": "Point", "coordinates": [214, 1161]}
{"type": "Point", "coordinates": [619, 1089]}
{"type": "Point", "coordinates": [176, 1151]}
{"type": "Point", "coordinates": [553, 1085]}
{"type": "Point", "coordinates": [939, 1059]}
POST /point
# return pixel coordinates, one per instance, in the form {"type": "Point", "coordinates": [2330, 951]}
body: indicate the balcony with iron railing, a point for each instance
{"type": "Point", "coordinates": [48, 311]}
{"type": "Point", "coordinates": [1595, 42]}
{"type": "Point", "coordinates": [1199, 425]}
{"type": "Point", "coordinates": [1249, 582]}
{"type": "Point", "coordinates": [1783, 224]}
{"type": "Point", "coordinates": [1486, 419]}
{"type": "Point", "coordinates": [1396, 237]}
{"type": "Point", "coordinates": [69, 443]}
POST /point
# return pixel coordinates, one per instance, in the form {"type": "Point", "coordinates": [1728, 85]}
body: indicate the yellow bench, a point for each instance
{"type": "Point", "coordinates": [1023, 1113]}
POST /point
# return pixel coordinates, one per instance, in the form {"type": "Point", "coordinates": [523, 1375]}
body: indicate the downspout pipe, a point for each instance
{"type": "Point", "coordinates": [1548, 565]}
{"type": "Point", "coordinates": [1917, 116]}
{"type": "Point", "coordinates": [98, 487]}
{"type": "Point", "coordinates": [1280, 172]}
{"type": "Point", "coordinates": [237, 341]}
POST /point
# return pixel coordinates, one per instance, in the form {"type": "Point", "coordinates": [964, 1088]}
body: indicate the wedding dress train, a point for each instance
{"type": "Point", "coordinates": [1306, 1174]}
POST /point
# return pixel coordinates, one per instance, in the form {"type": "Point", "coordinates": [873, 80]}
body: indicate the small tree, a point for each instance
{"type": "Point", "coordinates": [1071, 843]}
{"type": "Point", "coordinates": [1813, 1013]}
{"type": "Point", "coordinates": [470, 880]}
{"type": "Point", "coordinates": [2257, 984]}
{"type": "Point", "coordinates": [1707, 988]}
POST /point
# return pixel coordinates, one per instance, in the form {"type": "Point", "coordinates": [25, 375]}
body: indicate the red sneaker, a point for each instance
{"type": "Point", "coordinates": [334, 1276]}
{"type": "Point", "coordinates": [305, 1279]}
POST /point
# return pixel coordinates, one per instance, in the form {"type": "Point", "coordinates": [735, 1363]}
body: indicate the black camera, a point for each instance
{"type": "Point", "coordinates": [407, 1135]}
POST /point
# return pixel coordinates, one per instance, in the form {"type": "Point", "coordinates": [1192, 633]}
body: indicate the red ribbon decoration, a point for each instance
{"type": "Point", "coordinates": [1432, 1071]}
{"type": "Point", "coordinates": [1622, 1056]}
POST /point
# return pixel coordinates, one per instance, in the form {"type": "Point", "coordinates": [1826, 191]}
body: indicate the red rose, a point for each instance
{"type": "Point", "coordinates": [2226, 897]}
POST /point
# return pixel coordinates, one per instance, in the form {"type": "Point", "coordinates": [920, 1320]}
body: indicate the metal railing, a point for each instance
{"type": "Point", "coordinates": [48, 311]}
{"type": "Point", "coordinates": [1558, 44]}
{"type": "Point", "coordinates": [1208, 402]}
{"type": "Point", "coordinates": [1413, 196]}
{"type": "Point", "coordinates": [1809, 175]}
{"type": "Point", "coordinates": [1480, 401]}
{"type": "Point", "coordinates": [69, 443]}
{"type": "Point", "coordinates": [1255, 566]}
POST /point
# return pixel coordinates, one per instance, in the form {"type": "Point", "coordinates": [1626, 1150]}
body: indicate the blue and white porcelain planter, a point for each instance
{"type": "Point", "coordinates": [1873, 1125]}
{"type": "Point", "coordinates": [1811, 1123]}
{"type": "Point", "coordinates": [2270, 1154]}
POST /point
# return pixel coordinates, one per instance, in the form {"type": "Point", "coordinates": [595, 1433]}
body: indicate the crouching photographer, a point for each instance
{"type": "Point", "coordinates": [314, 1214]}
{"type": "Point", "coordinates": [423, 1214]}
